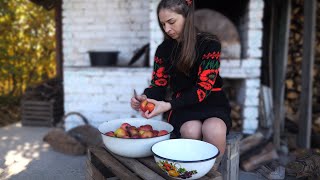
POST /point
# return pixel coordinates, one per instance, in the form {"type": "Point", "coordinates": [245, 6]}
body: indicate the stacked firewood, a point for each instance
{"type": "Point", "coordinates": [236, 108]}
{"type": "Point", "coordinates": [293, 76]}
{"type": "Point", "coordinates": [48, 90]}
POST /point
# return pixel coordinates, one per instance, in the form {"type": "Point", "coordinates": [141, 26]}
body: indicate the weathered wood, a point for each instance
{"type": "Point", "coordinates": [92, 172]}
{"type": "Point", "coordinates": [113, 164]}
{"type": "Point", "coordinates": [230, 162]}
{"type": "Point", "coordinates": [305, 120]}
{"type": "Point", "coordinates": [251, 141]}
{"type": "Point", "coordinates": [280, 49]}
{"type": "Point", "coordinates": [266, 107]}
{"type": "Point", "coordinates": [267, 154]}
{"type": "Point", "coordinates": [137, 166]}
{"type": "Point", "coordinates": [59, 46]}
{"type": "Point", "coordinates": [140, 169]}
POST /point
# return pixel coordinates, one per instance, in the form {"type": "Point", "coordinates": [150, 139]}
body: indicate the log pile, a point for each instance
{"type": "Point", "coordinates": [293, 76]}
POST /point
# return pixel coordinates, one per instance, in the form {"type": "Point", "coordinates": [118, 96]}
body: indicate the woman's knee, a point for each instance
{"type": "Point", "coordinates": [214, 126]}
{"type": "Point", "coordinates": [191, 130]}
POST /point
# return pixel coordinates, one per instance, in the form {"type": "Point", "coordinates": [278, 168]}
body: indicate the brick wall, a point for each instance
{"type": "Point", "coordinates": [112, 25]}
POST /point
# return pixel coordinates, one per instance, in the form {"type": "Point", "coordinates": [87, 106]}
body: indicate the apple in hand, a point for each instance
{"type": "Point", "coordinates": [146, 106]}
{"type": "Point", "coordinates": [143, 105]}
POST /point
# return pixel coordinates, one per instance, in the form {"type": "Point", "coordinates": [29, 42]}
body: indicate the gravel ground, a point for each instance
{"type": "Point", "coordinates": [23, 155]}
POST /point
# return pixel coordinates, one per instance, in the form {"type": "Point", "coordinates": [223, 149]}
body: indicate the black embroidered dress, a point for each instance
{"type": "Point", "coordinates": [195, 97]}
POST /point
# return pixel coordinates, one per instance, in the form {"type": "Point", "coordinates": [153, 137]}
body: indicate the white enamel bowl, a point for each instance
{"type": "Point", "coordinates": [133, 148]}
{"type": "Point", "coordinates": [185, 158]}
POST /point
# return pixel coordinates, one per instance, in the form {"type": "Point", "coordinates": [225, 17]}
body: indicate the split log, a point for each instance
{"type": "Point", "coordinates": [250, 142]}
{"type": "Point", "coordinates": [267, 154]}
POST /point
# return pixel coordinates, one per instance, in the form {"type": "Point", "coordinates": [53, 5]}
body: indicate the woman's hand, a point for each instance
{"type": "Point", "coordinates": [135, 101]}
{"type": "Point", "coordinates": [160, 107]}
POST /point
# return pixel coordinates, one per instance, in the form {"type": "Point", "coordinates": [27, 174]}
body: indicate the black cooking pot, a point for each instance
{"type": "Point", "coordinates": [103, 58]}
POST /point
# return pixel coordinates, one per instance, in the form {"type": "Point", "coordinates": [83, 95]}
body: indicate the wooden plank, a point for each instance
{"type": "Point", "coordinates": [36, 103]}
{"type": "Point", "coordinates": [305, 109]}
{"type": "Point", "coordinates": [38, 113]}
{"type": "Point", "coordinates": [113, 164]}
{"type": "Point", "coordinates": [92, 172]}
{"type": "Point", "coordinates": [137, 167]}
{"type": "Point", "coordinates": [280, 49]}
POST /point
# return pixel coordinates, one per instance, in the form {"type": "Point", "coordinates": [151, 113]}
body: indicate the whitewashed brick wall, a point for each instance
{"type": "Point", "coordinates": [104, 93]}
{"type": "Point", "coordinates": [106, 25]}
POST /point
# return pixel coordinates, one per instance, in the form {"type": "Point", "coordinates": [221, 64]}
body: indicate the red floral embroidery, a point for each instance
{"type": "Point", "coordinates": [209, 76]}
{"type": "Point", "coordinates": [160, 72]}
{"type": "Point", "coordinates": [201, 95]}
{"type": "Point", "coordinates": [205, 85]}
{"type": "Point", "coordinates": [189, 2]}
{"type": "Point", "coordinates": [213, 55]}
{"type": "Point", "coordinates": [199, 71]}
{"type": "Point", "coordinates": [161, 82]}
{"type": "Point", "coordinates": [158, 60]}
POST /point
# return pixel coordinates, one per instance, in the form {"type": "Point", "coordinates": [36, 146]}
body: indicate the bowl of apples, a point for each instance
{"type": "Point", "coordinates": [185, 158]}
{"type": "Point", "coordinates": [134, 137]}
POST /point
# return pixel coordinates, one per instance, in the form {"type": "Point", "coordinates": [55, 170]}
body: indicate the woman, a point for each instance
{"type": "Point", "coordinates": [188, 63]}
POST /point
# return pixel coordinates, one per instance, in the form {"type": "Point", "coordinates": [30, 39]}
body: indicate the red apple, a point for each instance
{"type": "Point", "coordinates": [110, 133]}
{"type": "Point", "coordinates": [125, 126]}
{"type": "Point", "coordinates": [155, 133]}
{"type": "Point", "coordinates": [143, 105]}
{"type": "Point", "coordinates": [133, 131]}
{"type": "Point", "coordinates": [120, 133]}
{"type": "Point", "coordinates": [162, 132]}
{"type": "Point", "coordinates": [150, 107]}
{"type": "Point", "coordinates": [147, 134]}
{"type": "Point", "coordinates": [146, 127]}
{"type": "Point", "coordinates": [135, 136]}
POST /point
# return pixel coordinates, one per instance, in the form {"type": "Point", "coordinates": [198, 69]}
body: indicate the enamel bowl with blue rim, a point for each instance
{"type": "Point", "coordinates": [185, 158]}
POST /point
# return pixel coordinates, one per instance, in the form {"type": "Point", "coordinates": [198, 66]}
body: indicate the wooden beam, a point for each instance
{"type": "Point", "coordinates": [59, 55]}
{"type": "Point", "coordinates": [280, 49]}
{"type": "Point", "coordinates": [305, 109]}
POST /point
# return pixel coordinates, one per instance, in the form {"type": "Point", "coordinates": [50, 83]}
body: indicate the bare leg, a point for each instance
{"type": "Point", "coordinates": [191, 130]}
{"type": "Point", "coordinates": [214, 132]}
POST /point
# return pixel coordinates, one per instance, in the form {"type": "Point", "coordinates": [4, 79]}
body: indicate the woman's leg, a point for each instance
{"type": "Point", "coordinates": [191, 129]}
{"type": "Point", "coordinates": [214, 131]}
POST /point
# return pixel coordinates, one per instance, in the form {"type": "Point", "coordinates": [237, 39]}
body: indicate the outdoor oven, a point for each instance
{"type": "Point", "coordinates": [102, 93]}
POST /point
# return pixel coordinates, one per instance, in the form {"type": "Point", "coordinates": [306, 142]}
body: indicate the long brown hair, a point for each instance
{"type": "Point", "coordinates": [188, 36]}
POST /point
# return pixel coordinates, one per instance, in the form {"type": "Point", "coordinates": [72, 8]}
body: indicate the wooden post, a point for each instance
{"type": "Point", "coordinates": [280, 49]}
{"type": "Point", "coordinates": [59, 55]}
{"type": "Point", "coordinates": [305, 118]}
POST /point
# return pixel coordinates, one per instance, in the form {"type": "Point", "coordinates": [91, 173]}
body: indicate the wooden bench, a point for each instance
{"type": "Point", "coordinates": [102, 164]}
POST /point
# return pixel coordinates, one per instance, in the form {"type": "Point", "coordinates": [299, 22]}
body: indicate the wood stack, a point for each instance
{"type": "Point", "coordinates": [293, 76]}
{"type": "Point", "coordinates": [256, 151]}
{"type": "Point", "coordinates": [42, 104]}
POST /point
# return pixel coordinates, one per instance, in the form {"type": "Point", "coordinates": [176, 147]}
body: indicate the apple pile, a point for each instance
{"type": "Point", "coordinates": [146, 106]}
{"type": "Point", "coordinates": [131, 132]}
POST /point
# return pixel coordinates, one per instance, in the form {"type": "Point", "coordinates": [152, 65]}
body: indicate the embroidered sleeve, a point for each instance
{"type": "Point", "coordinates": [159, 81]}
{"type": "Point", "coordinates": [208, 72]}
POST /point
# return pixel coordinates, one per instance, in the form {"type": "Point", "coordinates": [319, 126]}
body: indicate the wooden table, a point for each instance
{"type": "Point", "coordinates": [102, 164]}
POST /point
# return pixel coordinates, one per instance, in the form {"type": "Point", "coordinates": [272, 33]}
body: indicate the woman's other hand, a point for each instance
{"type": "Point", "coordinates": [136, 100]}
{"type": "Point", "coordinates": [160, 107]}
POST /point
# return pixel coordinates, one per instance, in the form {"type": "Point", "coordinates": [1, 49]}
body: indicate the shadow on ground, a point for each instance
{"type": "Point", "coordinates": [25, 156]}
